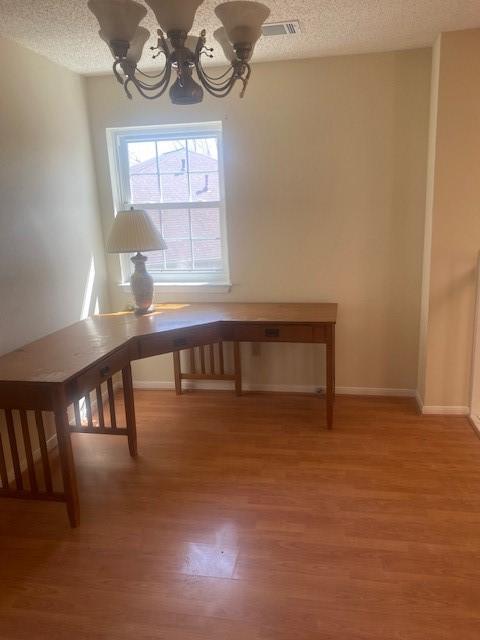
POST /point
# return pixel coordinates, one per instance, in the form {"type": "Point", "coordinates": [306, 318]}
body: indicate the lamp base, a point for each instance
{"type": "Point", "coordinates": [141, 283]}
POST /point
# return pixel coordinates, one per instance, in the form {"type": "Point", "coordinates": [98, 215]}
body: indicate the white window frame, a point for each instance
{"type": "Point", "coordinates": [117, 139]}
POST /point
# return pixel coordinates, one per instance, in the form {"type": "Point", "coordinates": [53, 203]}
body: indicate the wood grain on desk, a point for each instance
{"type": "Point", "coordinates": [64, 354]}
{"type": "Point", "coordinates": [58, 372]}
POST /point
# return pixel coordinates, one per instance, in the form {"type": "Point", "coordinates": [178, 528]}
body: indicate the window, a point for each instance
{"type": "Point", "coordinates": [175, 173]}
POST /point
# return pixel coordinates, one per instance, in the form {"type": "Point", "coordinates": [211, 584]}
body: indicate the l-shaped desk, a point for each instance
{"type": "Point", "coordinates": [55, 373]}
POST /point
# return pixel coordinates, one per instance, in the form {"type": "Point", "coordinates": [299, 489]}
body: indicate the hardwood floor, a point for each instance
{"type": "Point", "coordinates": [243, 519]}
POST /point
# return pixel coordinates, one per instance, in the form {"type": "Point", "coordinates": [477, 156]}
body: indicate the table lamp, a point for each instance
{"type": "Point", "coordinates": [133, 231]}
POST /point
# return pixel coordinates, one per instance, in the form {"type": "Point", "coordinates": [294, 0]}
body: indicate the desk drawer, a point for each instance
{"type": "Point", "coordinates": [102, 370]}
{"type": "Point", "coordinates": [253, 332]}
{"type": "Point", "coordinates": [177, 340]}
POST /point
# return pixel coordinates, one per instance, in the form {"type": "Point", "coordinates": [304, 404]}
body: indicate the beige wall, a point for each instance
{"type": "Point", "coordinates": [49, 230]}
{"type": "Point", "coordinates": [455, 223]}
{"type": "Point", "coordinates": [49, 227]}
{"type": "Point", "coordinates": [325, 170]}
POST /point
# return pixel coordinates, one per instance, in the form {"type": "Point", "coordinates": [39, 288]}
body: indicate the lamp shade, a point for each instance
{"type": "Point", "coordinates": [118, 19]}
{"type": "Point", "coordinates": [133, 230]}
{"type": "Point", "coordinates": [190, 43]}
{"type": "Point", "coordinates": [175, 15]}
{"type": "Point", "coordinates": [242, 20]}
{"type": "Point", "coordinates": [137, 44]}
{"type": "Point", "coordinates": [221, 37]}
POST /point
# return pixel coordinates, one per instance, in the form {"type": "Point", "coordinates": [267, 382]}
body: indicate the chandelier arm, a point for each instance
{"type": "Point", "coordinates": [116, 72]}
{"type": "Point", "coordinates": [158, 76]}
{"type": "Point", "coordinates": [219, 91]}
{"type": "Point", "coordinates": [215, 83]}
{"type": "Point", "coordinates": [219, 85]}
{"type": "Point", "coordinates": [221, 95]}
{"type": "Point", "coordinates": [130, 75]}
{"type": "Point", "coordinates": [142, 88]}
{"type": "Point", "coordinates": [145, 95]}
{"type": "Point", "coordinates": [216, 92]}
{"type": "Point", "coordinates": [127, 90]}
{"type": "Point", "coordinates": [230, 69]}
{"type": "Point", "coordinates": [151, 87]}
{"type": "Point", "coordinates": [215, 80]}
{"type": "Point", "coordinates": [156, 95]}
{"type": "Point", "coordinates": [165, 79]}
{"type": "Point", "coordinates": [245, 79]}
{"type": "Point", "coordinates": [237, 76]}
{"type": "Point", "coordinates": [153, 76]}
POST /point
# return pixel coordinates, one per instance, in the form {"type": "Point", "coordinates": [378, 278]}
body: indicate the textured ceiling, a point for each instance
{"type": "Point", "coordinates": [65, 31]}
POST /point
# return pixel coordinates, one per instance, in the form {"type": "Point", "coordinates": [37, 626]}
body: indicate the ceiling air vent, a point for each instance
{"type": "Point", "coordinates": [289, 28]}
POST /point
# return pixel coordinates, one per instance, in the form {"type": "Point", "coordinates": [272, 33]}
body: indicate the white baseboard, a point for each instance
{"type": "Point", "coordinates": [419, 401]}
{"type": "Point", "coordinates": [452, 410]}
{"type": "Point", "coordinates": [439, 410]}
{"type": "Point", "coordinates": [475, 420]}
{"type": "Point", "coordinates": [374, 391]}
{"type": "Point", "coordinates": [221, 385]}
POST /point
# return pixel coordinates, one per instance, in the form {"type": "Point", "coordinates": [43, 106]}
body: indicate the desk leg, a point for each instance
{"type": "Point", "coordinates": [66, 460]}
{"type": "Point", "coordinates": [130, 410]}
{"type": "Point", "coordinates": [238, 368]}
{"type": "Point", "coordinates": [330, 395]}
{"type": "Point", "coordinates": [177, 370]}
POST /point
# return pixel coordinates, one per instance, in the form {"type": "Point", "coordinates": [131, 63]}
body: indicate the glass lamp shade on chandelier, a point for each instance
{"type": "Point", "coordinates": [179, 52]}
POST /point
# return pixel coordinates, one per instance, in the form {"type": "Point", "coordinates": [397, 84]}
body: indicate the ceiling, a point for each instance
{"type": "Point", "coordinates": [66, 32]}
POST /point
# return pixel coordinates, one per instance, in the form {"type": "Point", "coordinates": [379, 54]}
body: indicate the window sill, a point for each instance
{"type": "Point", "coordinates": [185, 287]}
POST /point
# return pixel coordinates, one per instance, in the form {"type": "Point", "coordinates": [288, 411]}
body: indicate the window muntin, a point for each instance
{"type": "Point", "coordinates": [176, 174]}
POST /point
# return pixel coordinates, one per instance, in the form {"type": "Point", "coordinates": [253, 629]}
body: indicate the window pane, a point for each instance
{"type": "Point", "coordinates": [202, 154]}
{"type": "Point", "coordinates": [144, 188]}
{"type": "Point", "coordinates": [204, 187]}
{"type": "Point", "coordinates": [176, 224]}
{"type": "Point", "coordinates": [162, 172]}
{"type": "Point", "coordinates": [172, 156]}
{"type": "Point", "coordinates": [142, 157]}
{"type": "Point", "coordinates": [207, 255]}
{"type": "Point", "coordinates": [156, 217]}
{"type": "Point", "coordinates": [174, 187]}
{"type": "Point", "coordinates": [179, 255]}
{"type": "Point", "coordinates": [156, 261]}
{"type": "Point", "coordinates": [205, 223]}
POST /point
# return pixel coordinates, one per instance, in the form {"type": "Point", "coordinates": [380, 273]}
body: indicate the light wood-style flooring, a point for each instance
{"type": "Point", "coordinates": [245, 519]}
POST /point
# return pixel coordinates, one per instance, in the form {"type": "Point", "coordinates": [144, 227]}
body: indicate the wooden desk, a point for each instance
{"type": "Point", "coordinates": [55, 373]}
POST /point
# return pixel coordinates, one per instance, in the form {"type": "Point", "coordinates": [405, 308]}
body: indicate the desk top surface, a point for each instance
{"type": "Point", "coordinates": [61, 355]}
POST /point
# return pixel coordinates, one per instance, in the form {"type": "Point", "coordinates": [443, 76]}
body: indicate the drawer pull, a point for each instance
{"type": "Point", "coordinates": [272, 333]}
{"type": "Point", "coordinates": [104, 371]}
{"type": "Point", "coordinates": [180, 342]}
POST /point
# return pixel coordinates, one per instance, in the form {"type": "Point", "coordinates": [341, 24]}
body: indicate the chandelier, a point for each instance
{"type": "Point", "coordinates": [180, 53]}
